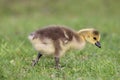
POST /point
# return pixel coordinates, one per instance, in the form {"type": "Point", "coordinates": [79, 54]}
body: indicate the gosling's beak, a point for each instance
{"type": "Point", "coordinates": [98, 44]}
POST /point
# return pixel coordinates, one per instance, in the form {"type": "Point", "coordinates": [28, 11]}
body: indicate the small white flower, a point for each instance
{"type": "Point", "coordinates": [12, 62]}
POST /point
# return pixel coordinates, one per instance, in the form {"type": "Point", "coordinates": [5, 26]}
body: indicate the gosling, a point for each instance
{"type": "Point", "coordinates": [56, 40]}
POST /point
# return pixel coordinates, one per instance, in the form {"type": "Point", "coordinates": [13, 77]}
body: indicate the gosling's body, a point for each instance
{"type": "Point", "coordinates": [56, 40]}
{"type": "Point", "coordinates": [49, 39]}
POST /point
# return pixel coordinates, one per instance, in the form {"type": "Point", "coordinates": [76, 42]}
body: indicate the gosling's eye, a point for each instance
{"type": "Point", "coordinates": [94, 38]}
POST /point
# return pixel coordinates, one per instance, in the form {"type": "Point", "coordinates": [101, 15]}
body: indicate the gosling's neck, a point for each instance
{"type": "Point", "coordinates": [83, 34]}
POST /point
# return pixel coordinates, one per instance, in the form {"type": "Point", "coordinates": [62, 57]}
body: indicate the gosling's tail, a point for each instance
{"type": "Point", "coordinates": [31, 36]}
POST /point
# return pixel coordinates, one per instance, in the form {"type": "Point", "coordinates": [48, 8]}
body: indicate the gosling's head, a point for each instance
{"type": "Point", "coordinates": [91, 35]}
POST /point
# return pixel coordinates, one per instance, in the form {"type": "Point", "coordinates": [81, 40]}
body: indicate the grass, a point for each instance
{"type": "Point", "coordinates": [91, 63]}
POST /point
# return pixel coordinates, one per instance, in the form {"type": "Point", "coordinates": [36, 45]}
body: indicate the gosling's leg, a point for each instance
{"type": "Point", "coordinates": [57, 65]}
{"type": "Point", "coordinates": [37, 59]}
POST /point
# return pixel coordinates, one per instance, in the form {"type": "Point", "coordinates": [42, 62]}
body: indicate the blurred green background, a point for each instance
{"type": "Point", "coordinates": [77, 13]}
{"type": "Point", "coordinates": [60, 7]}
{"type": "Point", "coordinates": [18, 18]}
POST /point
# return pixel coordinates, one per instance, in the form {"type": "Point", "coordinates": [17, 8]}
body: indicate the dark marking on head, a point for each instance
{"type": "Point", "coordinates": [95, 32]}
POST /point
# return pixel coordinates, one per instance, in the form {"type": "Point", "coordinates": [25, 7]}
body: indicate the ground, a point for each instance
{"type": "Point", "coordinates": [91, 63]}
